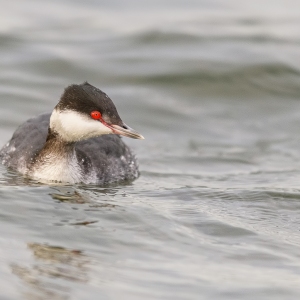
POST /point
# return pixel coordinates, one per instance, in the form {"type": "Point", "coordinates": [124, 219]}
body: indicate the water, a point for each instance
{"type": "Point", "coordinates": [214, 88]}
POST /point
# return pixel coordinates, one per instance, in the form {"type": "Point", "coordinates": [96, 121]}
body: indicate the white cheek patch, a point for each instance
{"type": "Point", "coordinates": [73, 126]}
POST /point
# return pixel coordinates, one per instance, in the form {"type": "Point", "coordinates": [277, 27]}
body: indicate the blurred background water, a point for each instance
{"type": "Point", "coordinates": [214, 87]}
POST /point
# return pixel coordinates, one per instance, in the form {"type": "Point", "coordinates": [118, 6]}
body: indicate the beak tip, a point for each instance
{"type": "Point", "coordinates": [128, 132]}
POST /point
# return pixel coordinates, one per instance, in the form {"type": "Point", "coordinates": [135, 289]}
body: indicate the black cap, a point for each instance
{"type": "Point", "coordinates": [85, 98]}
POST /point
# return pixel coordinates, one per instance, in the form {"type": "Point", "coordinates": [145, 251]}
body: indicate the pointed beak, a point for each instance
{"type": "Point", "coordinates": [126, 131]}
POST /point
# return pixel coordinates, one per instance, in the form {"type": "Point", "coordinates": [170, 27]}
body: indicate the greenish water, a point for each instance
{"type": "Point", "coordinates": [214, 88]}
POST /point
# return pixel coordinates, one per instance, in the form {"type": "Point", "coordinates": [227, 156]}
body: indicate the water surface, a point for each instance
{"type": "Point", "coordinates": [214, 88]}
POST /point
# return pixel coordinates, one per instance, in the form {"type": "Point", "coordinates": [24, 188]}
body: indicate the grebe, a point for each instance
{"type": "Point", "coordinates": [78, 143]}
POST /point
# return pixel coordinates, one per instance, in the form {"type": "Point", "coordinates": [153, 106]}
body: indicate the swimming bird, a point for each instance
{"type": "Point", "coordinates": [79, 142]}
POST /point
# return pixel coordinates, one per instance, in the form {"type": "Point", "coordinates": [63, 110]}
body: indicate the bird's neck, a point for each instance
{"type": "Point", "coordinates": [57, 146]}
{"type": "Point", "coordinates": [56, 161]}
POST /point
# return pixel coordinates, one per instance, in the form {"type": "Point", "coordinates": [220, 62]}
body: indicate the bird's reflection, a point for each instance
{"type": "Point", "coordinates": [65, 191]}
{"type": "Point", "coordinates": [53, 268]}
{"type": "Point", "coordinates": [95, 197]}
{"type": "Point", "coordinates": [12, 178]}
{"type": "Point", "coordinates": [65, 194]}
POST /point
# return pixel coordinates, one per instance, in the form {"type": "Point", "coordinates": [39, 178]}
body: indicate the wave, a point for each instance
{"type": "Point", "coordinates": [267, 78]}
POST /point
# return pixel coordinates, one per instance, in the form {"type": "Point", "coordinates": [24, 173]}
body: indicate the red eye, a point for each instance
{"type": "Point", "coordinates": [96, 115]}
